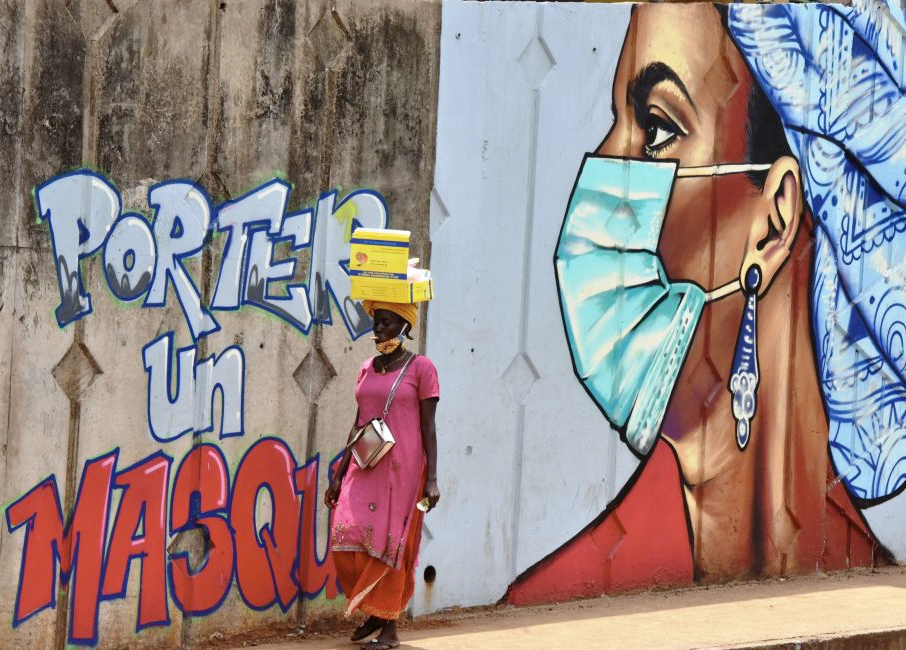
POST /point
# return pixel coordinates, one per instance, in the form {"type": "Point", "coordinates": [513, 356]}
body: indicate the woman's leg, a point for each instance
{"type": "Point", "coordinates": [388, 637]}
{"type": "Point", "coordinates": [369, 627]}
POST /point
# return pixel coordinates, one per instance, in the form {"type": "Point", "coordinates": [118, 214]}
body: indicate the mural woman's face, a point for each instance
{"type": "Point", "coordinates": [681, 92]}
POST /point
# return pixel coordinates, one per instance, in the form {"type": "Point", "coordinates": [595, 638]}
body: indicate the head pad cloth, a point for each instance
{"type": "Point", "coordinates": [405, 310]}
{"type": "Point", "coordinates": [835, 75]}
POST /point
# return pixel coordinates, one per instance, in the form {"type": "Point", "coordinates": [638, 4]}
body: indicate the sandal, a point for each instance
{"type": "Point", "coordinates": [380, 645]}
{"type": "Point", "coordinates": [366, 629]}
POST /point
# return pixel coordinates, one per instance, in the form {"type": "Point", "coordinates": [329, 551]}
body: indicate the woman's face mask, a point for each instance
{"type": "Point", "coordinates": [390, 345]}
{"type": "Point", "coordinates": [629, 326]}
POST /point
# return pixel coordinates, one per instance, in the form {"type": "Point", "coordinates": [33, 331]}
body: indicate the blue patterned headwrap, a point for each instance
{"type": "Point", "coordinates": [835, 75]}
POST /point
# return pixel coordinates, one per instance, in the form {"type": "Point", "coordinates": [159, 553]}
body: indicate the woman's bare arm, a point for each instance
{"type": "Point", "coordinates": [333, 490]}
{"type": "Point", "coordinates": [427, 409]}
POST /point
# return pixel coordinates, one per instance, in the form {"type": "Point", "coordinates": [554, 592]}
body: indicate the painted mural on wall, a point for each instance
{"type": "Point", "coordinates": [730, 271]}
{"type": "Point", "coordinates": [93, 548]}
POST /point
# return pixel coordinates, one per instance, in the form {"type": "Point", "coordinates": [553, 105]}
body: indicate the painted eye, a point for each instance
{"type": "Point", "coordinates": [659, 133]}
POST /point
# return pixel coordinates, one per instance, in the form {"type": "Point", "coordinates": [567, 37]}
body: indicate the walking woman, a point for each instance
{"type": "Point", "coordinates": [377, 524]}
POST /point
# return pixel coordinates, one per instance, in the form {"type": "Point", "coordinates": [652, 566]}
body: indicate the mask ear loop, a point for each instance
{"type": "Point", "coordinates": [722, 292]}
{"type": "Point", "coordinates": [404, 334]}
{"type": "Point", "coordinates": [721, 170]}
{"type": "Point", "coordinates": [743, 385]}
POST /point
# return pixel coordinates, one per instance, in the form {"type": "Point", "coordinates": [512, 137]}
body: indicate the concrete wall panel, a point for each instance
{"type": "Point", "coordinates": [472, 334]}
{"type": "Point", "coordinates": [36, 429]}
{"type": "Point", "coordinates": [152, 94]}
{"type": "Point", "coordinates": [260, 70]}
{"type": "Point", "coordinates": [229, 95]}
{"type": "Point", "coordinates": [12, 20]}
{"type": "Point", "coordinates": [526, 91]}
{"type": "Point", "coordinates": [504, 137]}
{"type": "Point", "coordinates": [52, 127]}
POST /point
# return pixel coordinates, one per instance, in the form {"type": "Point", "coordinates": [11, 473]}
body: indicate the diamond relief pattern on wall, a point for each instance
{"type": "Point", "coordinates": [623, 219]}
{"type": "Point", "coordinates": [536, 62]}
{"type": "Point", "coordinates": [706, 382]}
{"type": "Point", "coordinates": [520, 377]}
{"type": "Point", "coordinates": [329, 38]}
{"type": "Point", "coordinates": [314, 373]}
{"type": "Point", "coordinates": [438, 212]}
{"type": "Point", "coordinates": [720, 80]}
{"type": "Point", "coordinates": [76, 371]}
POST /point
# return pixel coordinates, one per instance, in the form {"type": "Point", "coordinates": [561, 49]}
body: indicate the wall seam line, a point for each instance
{"type": "Point", "coordinates": [18, 209]}
{"type": "Point", "coordinates": [527, 241]}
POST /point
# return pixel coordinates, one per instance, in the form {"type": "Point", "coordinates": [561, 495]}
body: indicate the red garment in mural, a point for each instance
{"type": "Point", "coordinates": [645, 540]}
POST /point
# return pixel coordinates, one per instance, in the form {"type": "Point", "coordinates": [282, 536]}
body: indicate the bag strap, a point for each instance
{"type": "Point", "coordinates": [396, 384]}
{"type": "Point", "coordinates": [355, 438]}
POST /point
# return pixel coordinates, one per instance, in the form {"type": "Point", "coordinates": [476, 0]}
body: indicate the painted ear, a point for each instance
{"type": "Point", "coordinates": [774, 227]}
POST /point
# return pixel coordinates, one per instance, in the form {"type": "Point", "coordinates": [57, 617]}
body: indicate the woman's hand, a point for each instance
{"type": "Point", "coordinates": [332, 494]}
{"type": "Point", "coordinates": [432, 494]}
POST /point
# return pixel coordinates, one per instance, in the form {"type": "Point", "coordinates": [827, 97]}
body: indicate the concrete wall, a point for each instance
{"type": "Point", "coordinates": [540, 336]}
{"type": "Point", "coordinates": [177, 185]}
{"type": "Point", "coordinates": [505, 168]}
{"type": "Point", "coordinates": [225, 96]}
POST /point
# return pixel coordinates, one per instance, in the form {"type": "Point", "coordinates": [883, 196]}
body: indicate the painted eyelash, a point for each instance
{"type": "Point", "coordinates": [655, 152]}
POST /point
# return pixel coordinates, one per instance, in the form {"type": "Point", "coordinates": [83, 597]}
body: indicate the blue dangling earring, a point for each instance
{"type": "Point", "coordinates": [744, 375]}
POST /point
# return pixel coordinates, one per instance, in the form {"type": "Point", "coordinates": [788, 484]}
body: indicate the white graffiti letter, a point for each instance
{"type": "Point", "coordinates": [294, 307]}
{"type": "Point", "coordinates": [129, 257]}
{"type": "Point", "coordinates": [182, 214]}
{"type": "Point", "coordinates": [169, 417]}
{"type": "Point", "coordinates": [330, 254]}
{"type": "Point", "coordinates": [192, 407]}
{"type": "Point", "coordinates": [263, 205]}
{"type": "Point", "coordinates": [226, 372]}
{"type": "Point", "coordinates": [80, 208]}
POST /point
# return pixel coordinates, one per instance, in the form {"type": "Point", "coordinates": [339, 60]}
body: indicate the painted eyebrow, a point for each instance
{"type": "Point", "coordinates": [644, 82]}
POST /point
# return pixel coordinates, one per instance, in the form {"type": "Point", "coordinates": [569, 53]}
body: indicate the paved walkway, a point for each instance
{"type": "Point", "coordinates": [857, 610]}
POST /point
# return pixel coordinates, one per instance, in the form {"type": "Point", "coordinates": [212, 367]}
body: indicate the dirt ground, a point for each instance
{"type": "Point", "coordinates": [726, 616]}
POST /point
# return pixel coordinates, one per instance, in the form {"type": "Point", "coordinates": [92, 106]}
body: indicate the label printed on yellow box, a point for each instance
{"type": "Point", "coordinates": [379, 242]}
{"type": "Point", "coordinates": [377, 274]}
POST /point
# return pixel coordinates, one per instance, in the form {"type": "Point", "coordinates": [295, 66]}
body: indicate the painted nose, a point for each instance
{"type": "Point", "coordinates": [618, 141]}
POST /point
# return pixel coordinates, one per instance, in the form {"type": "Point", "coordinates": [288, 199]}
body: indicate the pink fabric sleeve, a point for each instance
{"type": "Point", "coordinates": [428, 385]}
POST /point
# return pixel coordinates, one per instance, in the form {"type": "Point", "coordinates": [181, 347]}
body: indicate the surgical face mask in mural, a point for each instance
{"type": "Point", "coordinates": [628, 325]}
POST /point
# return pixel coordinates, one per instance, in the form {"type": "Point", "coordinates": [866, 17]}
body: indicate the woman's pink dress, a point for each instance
{"type": "Point", "coordinates": [376, 505]}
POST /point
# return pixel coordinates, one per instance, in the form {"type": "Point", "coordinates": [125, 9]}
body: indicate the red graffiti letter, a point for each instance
{"type": "Point", "coordinates": [80, 545]}
{"type": "Point", "coordinates": [142, 506]}
{"type": "Point", "coordinates": [265, 558]}
{"type": "Point", "coordinates": [314, 574]}
{"type": "Point", "coordinates": [202, 473]}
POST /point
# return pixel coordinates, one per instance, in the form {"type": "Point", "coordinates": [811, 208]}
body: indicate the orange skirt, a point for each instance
{"type": "Point", "coordinates": [374, 587]}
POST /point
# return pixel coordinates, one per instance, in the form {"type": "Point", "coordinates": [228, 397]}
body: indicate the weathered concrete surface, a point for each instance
{"type": "Point", "coordinates": [837, 611]}
{"type": "Point", "coordinates": [36, 420]}
{"type": "Point", "coordinates": [12, 16]}
{"type": "Point", "coordinates": [328, 95]}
